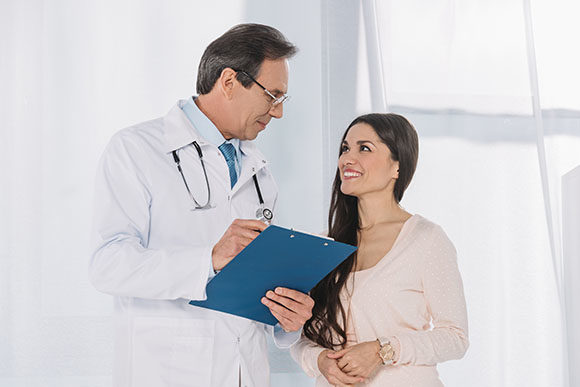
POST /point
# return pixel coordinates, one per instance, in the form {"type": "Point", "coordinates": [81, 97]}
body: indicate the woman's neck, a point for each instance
{"type": "Point", "coordinates": [376, 209]}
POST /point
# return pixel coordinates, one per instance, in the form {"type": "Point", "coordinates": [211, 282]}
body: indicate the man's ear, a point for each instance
{"type": "Point", "coordinates": [227, 82]}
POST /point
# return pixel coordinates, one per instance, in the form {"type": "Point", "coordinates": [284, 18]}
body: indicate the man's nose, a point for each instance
{"type": "Point", "coordinates": [277, 111]}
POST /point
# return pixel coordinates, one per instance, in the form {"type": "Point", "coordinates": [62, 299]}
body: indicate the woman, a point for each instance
{"type": "Point", "coordinates": [394, 309]}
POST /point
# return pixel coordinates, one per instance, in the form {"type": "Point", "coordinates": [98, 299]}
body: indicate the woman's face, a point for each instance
{"type": "Point", "coordinates": [365, 163]}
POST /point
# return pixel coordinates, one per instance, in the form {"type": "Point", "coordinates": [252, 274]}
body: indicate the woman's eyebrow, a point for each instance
{"type": "Point", "coordinates": [360, 142]}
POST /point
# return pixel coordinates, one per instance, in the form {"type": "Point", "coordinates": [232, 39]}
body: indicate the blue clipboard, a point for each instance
{"type": "Point", "coordinates": [277, 257]}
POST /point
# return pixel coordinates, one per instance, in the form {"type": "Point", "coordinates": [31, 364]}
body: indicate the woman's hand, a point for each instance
{"type": "Point", "coordinates": [330, 370]}
{"type": "Point", "coordinates": [360, 360]}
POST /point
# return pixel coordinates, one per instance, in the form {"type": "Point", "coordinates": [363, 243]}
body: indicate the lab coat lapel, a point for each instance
{"type": "Point", "coordinates": [253, 161]}
{"type": "Point", "coordinates": [178, 133]}
{"type": "Point", "coordinates": [178, 130]}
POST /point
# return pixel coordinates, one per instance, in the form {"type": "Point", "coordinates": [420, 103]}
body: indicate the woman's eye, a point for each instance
{"type": "Point", "coordinates": [343, 149]}
{"type": "Point", "coordinates": [365, 148]}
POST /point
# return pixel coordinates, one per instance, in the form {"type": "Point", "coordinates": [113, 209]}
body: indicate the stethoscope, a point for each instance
{"type": "Point", "coordinates": [263, 213]}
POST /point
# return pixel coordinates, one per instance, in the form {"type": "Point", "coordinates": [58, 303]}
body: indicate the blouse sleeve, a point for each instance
{"type": "Point", "coordinates": [445, 300]}
{"type": "Point", "coordinates": [305, 353]}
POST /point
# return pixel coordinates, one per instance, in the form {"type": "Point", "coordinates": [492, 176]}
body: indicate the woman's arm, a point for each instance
{"type": "Point", "coordinates": [443, 289]}
{"type": "Point", "coordinates": [305, 353]}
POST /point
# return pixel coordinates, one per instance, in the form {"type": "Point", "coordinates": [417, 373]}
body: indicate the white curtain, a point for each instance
{"type": "Point", "coordinates": [74, 72]}
{"type": "Point", "coordinates": [490, 86]}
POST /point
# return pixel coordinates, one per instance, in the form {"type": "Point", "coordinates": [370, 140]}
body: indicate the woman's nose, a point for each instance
{"type": "Point", "coordinates": [345, 160]}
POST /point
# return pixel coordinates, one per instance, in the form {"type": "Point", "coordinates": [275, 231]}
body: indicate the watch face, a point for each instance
{"type": "Point", "coordinates": [386, 353]}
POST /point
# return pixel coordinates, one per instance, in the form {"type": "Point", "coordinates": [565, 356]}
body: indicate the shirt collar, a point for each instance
{"type": "Point", "coordinates": [180, 131]}
{"type": "Point", "coordinates": [205, 127]}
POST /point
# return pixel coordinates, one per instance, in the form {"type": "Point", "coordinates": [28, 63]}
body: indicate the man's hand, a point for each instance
{"type": "Point", "coordinates": [360, 360]}
{"type": "Point", "coordinates": [240, 233]}
{"type": "Point", "coordinates": [332, 372]}
{"type": "Point", "coordinates": [290, 307]}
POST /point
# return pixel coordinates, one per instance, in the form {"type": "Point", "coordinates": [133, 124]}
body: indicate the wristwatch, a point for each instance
{"type": "Point", "coordinates": [387, 352]}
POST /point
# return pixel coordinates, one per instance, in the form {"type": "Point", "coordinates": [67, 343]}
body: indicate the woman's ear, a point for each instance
{"type": "Point", "coordinates": [227, 82]}
{"type": "Point", "coordinates": [396, 170]}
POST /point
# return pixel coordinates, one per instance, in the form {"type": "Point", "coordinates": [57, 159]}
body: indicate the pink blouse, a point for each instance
{"type": "Point", "coordinates": [414, 296]}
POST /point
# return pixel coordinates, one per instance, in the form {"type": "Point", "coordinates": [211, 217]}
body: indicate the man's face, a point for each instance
{"type": "Point", "coordinates": [254, 106]}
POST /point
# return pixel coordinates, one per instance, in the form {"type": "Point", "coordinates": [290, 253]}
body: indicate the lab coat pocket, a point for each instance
{"type": "Point", "coordinates": [172, 352]}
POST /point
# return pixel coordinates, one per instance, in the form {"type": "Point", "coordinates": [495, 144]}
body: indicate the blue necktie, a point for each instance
{"type": "Point", "coordinates": [229, 153]}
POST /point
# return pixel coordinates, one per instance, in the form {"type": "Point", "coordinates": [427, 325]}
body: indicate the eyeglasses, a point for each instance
{"type": "Point", "coordinates": [275, 101]}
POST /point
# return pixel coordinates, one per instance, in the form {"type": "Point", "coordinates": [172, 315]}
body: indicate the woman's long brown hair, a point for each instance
{"type": "Point", "coordinates": [326, 327]}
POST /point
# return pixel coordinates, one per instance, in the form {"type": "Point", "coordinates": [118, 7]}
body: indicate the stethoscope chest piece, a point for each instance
{"type": "Point", "coordinates": [264, 213]}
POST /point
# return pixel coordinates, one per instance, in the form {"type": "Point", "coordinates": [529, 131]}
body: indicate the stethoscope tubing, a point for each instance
{"type": "Point", "coordinates": [178, 162]}
{"type": "Point", "coordinates": [265, 212]}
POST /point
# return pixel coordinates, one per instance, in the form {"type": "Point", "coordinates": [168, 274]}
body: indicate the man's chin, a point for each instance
{"type": "Point", "coordinates": [250, 136]}
{"type": "Point", "coordinates": [254, 135]}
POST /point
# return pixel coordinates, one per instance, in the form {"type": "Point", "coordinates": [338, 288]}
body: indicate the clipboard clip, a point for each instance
{"type": "Point", "coordinates": [308, 233]}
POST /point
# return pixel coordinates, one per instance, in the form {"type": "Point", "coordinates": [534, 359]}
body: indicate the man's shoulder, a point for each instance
{"type": "Point", "coordinates": [143, 130]}
{"type": "Point", "coordinates": [145, 134]}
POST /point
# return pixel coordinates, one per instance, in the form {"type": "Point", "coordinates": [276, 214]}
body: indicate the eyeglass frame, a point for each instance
{"type": "Point", "coordinates": [275, 101]}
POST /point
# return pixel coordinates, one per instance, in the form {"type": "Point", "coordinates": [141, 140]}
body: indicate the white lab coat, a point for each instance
{"type": "Point", "coordinates": [153, 253]}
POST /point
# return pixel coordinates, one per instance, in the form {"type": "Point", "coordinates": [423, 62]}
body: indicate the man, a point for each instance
{"type": "Point", "coordinates": [177, 198]}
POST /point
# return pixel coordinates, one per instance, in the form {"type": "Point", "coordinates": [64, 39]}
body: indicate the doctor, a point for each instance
{"type": "Point", "coordinates": [176, 199]}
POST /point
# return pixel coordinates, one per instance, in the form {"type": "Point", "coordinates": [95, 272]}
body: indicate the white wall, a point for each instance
{"type": "Point", "coordinates": [72, 74]}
